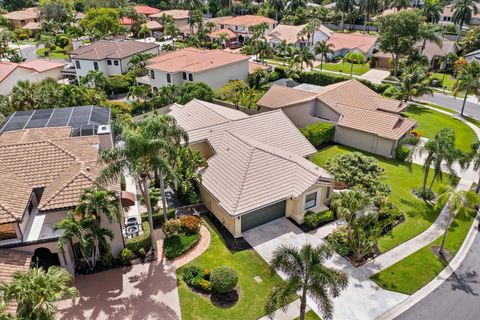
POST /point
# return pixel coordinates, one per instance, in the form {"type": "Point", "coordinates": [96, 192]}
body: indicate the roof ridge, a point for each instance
{"type": "Point", "coordinates": [237, 200]}
{"type": "Point", "coordinates": [63, 150]}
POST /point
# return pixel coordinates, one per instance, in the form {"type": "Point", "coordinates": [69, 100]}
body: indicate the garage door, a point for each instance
{"type": "Point", "coordinates": [262, 216]}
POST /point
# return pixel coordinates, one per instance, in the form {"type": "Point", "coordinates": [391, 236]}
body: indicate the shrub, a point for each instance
{"type": "Point", "coordinates": [425, 194]}
{"type": "Point", "coordinates": [319, 133]}
{"type": "Point", "coordinates": [314, 219]}
{"type": "Point", "coordinates": [411, 139]}
{"type": "Point", "coordinates": [172, 228]}
{"type": "Point", "coordinates": [401, 153]}
{"type": "Point", "coordinates": [126, 255]}
{"type": "Point", "coordinates": [106, 259]}
{"type": "Point", "coordinates": [195, 277]}
{"type": "Point", "coordinates": [189, 274]}
{"type": "Point", "coordinates": [321, 79]}
{"type": "Point", "coordinates": [338, 240]}
{"type": "Point", "coordinates": [120, 83]}
{"type": "Point", "coordinates": [190, 224]}
{"type": "Point", "coordinates": [140, 242]}
{"type": "Point", "coordinates": [273, 76]}
{"type": "Point", "coordinates": [142, 253]}
{"type": "Point", "coordinates": [223, 279]}
{"type": "Point", "coordinates": [177, 245]}
{"type": "Point", "coordinates": [158, 217]}
{"type": "Point", "coordinates": [205, 285]}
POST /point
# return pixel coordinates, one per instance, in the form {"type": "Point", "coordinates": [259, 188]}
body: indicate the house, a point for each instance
{"type": "Point", "coordinates": [363, 119]}
{"type": "Point", "coordinates": [257, 168]}
{"type": "Point", "coordinates": [219, 33]}
{"type": "Point", "coordinates": [213, 67]}
{"type": "Point", "coordinates": [109, 57]}
{"type": "Point", "coordinates": [242, 25]}
{"type": "Point", "coordinates": [147, 11]}
{"type": "Point", "coordinates": [291, 34]}
{"type": "Point", "coordinates": [33, 71]}
{"type": "Point", "coordinates": [436, 53]}
{"type": "Point", "coordinates": [447, 14]}
{"type": "Point", "coordinates": [472, 56]}
{"type": "Point", "coordinates": [342, 43]}
{"type": "Point", "coordinates": [20, 18]}
{"type": "Point", "coordinates": [47, 158]}
{"type": "Point", "coordinates": [180, 17]}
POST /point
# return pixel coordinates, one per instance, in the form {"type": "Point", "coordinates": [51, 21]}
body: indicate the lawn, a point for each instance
{"type": "Point", "coordinates": [253, 295]}
{"type": "Point", "coordinates": [57, 54]}
{"type": "Point", "coordinates": [344, 67]}
{"type": "Point", "coordinates": [415, 271]}
{"type": "Point", "coordinates": [430, 121]}
{"type": "Point", "coordinates": [310, 315]}
{"type": "Point", "coordinates": [419, 214]}
{"type": "Point", "coordinates": [448, 81]}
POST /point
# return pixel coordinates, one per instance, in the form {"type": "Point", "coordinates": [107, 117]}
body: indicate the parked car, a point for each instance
{"type": "Point", "coordinates": [235, 45]}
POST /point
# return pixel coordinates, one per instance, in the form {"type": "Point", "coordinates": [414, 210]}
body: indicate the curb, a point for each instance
{"type": "Point", "coordinates": [435, 283]}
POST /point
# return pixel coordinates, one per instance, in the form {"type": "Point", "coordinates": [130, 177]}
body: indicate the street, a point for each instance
{"type": "Point", "coordinates": [456, 298]}
{"type": "Point", "coordinates": [471, 108]}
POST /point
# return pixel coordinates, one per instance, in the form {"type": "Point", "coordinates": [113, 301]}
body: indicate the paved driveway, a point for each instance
{"type": "Point", "coordinates": [362, 300]}
{"type": "Point", "coordinates": [143, 291]}
{"type": "Point", "coordinates": [375, 75]}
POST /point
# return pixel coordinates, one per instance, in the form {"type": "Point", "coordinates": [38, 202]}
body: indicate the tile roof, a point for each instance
{"type": "Point", "coordinates": [32, 25]}
{"type": "Point", "coordinates": [216, 34]}
{"type": "Point", "coordinates": [193, 60]}
{"type": "Point", "coordinates": [111, 50]}
{"type": "Point", "coordinates": [153, 25]}
{"type": "Point", "coordinates": [22, 15]}
{"type": "Point", "coordinates": [176, 14]}
{"type": "Point", "coordinates": [259, 159]}
{"type": "Point", "coordinates": [290, 33]}
{"type": "Point", "coordinates": [448, 12]}
{"type": "Point", "coordinates": [350, 41]}
{"type": "Point", "coordinates": [432, 49]}
{"type": "Point", "coordinates": [12, 261]}
{"type": "Point", "coordinates": [146, 10]}
{"type": "Point", "coordinates": [62, 166]}
{"type": "Point", "coordinates": [6, 68]}
{"type": "Point", "coordinates": [247, 20]}
{"type": "Point", "coordinates": [279, 96]}
{"type": "Point", "coordinates": [124, 21]}
{"type": "Point", "coordinates": [252, 66]}
{"type": "Point", "coordinates": [41, 65]}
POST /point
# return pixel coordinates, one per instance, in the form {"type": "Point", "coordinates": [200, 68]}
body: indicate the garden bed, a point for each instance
{"type": "Point", "coordinates": [177, 245]}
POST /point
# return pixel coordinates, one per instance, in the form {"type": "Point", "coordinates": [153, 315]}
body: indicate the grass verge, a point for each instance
{"type": "Point", "coordinates": [57, 54]}
{"type": "Point", "coordinates": [344, 67]}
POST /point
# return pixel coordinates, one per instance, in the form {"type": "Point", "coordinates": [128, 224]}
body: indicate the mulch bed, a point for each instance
{"type": "Point", "coordinates": [225, 301]}
{"type": "Point", "coordinates": [233, 244]}
{"type": "Point", "coordinates": [445, 256]}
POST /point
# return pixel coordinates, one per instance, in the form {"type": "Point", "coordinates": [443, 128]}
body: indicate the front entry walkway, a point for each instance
{"type": "Point", "coordinates": [362, 300]}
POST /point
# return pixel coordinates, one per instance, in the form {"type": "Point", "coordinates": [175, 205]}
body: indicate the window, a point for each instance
{"type": "Point", "coordinates": [184, 74]}
{"type": "Point", "coordinates": [30, 207]}
{"type": "Point", "coordinates": [222, 26]}
{"type": "Point", "coordinates": [169, 78]}
{"type": "Point", "coordinates": [328, 193]}
{"type": "Point", "coordinates": [152, 74]}
{"type": "Point", "coordinates": [115, 62]}
{"type": "Point", "coordinates": [95, 65]}
{"type": "Point", "coordinates": [236, 28]}
{"type": "Point", "coordinates": [310, 200]}
{"type": "Point", "coordinates": [109, 62]}
{"type": "Point", "coordinates": [190, 77]}
{"type": "Point", "coordinates": [77, 64]}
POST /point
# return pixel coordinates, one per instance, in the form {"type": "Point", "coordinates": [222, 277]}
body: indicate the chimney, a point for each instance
{"type": "Point", "coordinates": [105, 137]}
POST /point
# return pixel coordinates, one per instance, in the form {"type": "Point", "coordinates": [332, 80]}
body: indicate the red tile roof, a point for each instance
{"type": "Point", "coordinates": [146, 10]}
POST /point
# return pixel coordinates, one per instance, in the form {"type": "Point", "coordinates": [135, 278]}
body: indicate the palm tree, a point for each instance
{"type": "Point", "coordinates": [263, 49]}
{"type": "Point", "coordinates": [399, 4]}
{"type": "Point", "coordinates": [468, 82]}
{"type": "Point", "coordinates": [97, 201]}
{"type": "Point", "coordinates": [354, 57]}
{"type": "Point", "coordinates": [348, 204]}
{"type": "Point", "coordinates": [23, 96]}
{"type": "Point", "coordinates": [171, 30]}
{"type": "Point", "coordinates": [282, 50]}
{"type": "Point", "coordinates": [344, 7]}
{"type": "Point", "coordinates": [367, 7]}
{"type": "Point", "coordinates": [144, 32]}
{"type": "Point", "coordinates": [460, 201]}
{"type": "Point", "coordinates": [305, 55]}
{"type": "Point", "coordinates": [463, 10]}
{"type": "Point", "coordinates": [96, 238]}
{"type": "Point", "coordinates": [47, 41]}
{"type": "Point", "coordinates": [37, 290]}
{"type": "Point", "coordinates": [277, 6]}
{"type": "Point", "coordinates": [191, 6]}
{"type": "Point", "coordinates": [429, 32]}
{"type": "Point", "coordinates": [223, 38]}
{"type": "Point", "coordinates": [414, 83]}
{"type": "Point", "coordinates": [307, 275]}
{"type": "Point", "coordinates": [475, 156]}
{"type": "Point", "coordinates": [138, 62]}
{"type": "Point", "coordinates": [72, 228]}
{"type": "Point", "coordinates": [323, 48]}
{"type": "Point", "coordinates": [432, 10]}
{"type": "Point", "coordinates": [293, 5]}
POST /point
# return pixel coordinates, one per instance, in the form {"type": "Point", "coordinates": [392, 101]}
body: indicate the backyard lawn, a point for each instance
{"type": "Point", "coordinates": [248, 264]}
{"type": "Point", "coordinates": [419, 268]}
{"type": "Point", "coordinates": [344, 67]}
{"type": "Point", "coordinates": [419, 214]}
{"type": "Point", "coordinates": [57, 54]}
{"type": "Point", "coordinates": [430, 121]}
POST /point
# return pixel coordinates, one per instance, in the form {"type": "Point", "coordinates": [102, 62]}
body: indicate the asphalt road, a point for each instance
{"type": "Point", "coordinates": [471, 109]}
{"type": "Point", "coordinates": [458, 298]}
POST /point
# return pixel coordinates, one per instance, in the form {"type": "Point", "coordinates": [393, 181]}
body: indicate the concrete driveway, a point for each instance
{"type": "Point", "coordinates": [143, 291]}
{"type": "Point", "coordinates": [362, 300]}
{"type": "Point", "coordinates": [375, 75]}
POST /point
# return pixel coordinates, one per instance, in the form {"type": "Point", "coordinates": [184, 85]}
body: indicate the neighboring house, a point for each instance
{"type": "Point", "coordinates": [291, 35]}
{"type": "Point", "coordinates": [109, 57]}
{"type": "Point", "coordinates": [447, 14]}
{"type": "Point", "coordinates": [43, 171]}
{"type": "Point", "coordinates": [257, 168]}
{"type": "Point", "coordinates": [34, 27]}
{"type": "Point", "coordinates": [180, 17]}
{"type": "Point", "coordinates": [33, 71]}
{"type": "Point", "coordinates": [241, 25]}
{"type": "Point", "coordinates": [217, 34]}
{"type": "Point", "coordinates": [363, 119]}
{"type": "Point", "coordinates": [18, 19]}
{"type": "Point", "coordinates": [342, 43]}
{"type": "Point", "coordinates": [147, 11]}
{"type": "Point", "coordinates": [213, 67]}
{"type": "Point", "coordinates": [473, 56]}
{"type": "Point", "coordinates": [436, 53]}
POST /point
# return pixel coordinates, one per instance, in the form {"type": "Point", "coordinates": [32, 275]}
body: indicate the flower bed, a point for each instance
{"type": "Point", "coordinates": [180, 235]}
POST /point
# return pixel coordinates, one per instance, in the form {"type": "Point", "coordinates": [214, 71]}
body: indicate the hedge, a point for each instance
{"type": "Point", "coordinates": [319, 133]}
{"type": "Point", "coordinates": [158, 217]}
{"type": "Point", "coordinates": [177, 245]}
{"type": "Point", "coordinates": [143, 241]}
{"type": "Point", "coordinates": [314, 219]}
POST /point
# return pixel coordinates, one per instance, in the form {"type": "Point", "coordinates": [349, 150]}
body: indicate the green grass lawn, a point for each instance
{"type": "Point", "coordinates": [448, 81]}
{"type": "Point", "coordinates": [253, 295]}
{"type": "Point", "coordinates": [310, 315]}
{"type": "Point", "coordinates": [57, 54]}
{"type": "Point", "coordinates": [419, 214]}
{"type": "Point", "coordinates": [430, 121]}
{"type": "Point", "coordinates": [415, 271]}
{"type": "Point", "coordinates": [344, 67]}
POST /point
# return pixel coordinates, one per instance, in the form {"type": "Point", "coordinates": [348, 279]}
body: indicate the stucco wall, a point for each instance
{"type": "Point", "coordinates": [300, 114]}
{"type": "Point", "coordinates": [203, 147]}
{"type": "Point", "coordinates": [216, 78]}
{"type": "Point", "coordinates": [296, 207]}
{"type": "Point", "coordinates": [364, 141]}
{"type": "Point", "coordinates": [18, 74]}
{"type": "Point", "coordinates": [325, 112]}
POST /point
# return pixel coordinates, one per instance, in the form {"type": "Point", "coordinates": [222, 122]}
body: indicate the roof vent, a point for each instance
{"type": "Point", "coordinates": [87, 169]}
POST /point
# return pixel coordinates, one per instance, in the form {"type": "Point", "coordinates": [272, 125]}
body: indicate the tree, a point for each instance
{"type": "Point", "coordinates": [72, 229]}
{"type": "Point", "coordinates": [463, 10]}
{"type": "Point", "coordinates": [354, 57]}
{"type": "Point", "coordinates": [305, 55]}
{"type": "Point", "coordinates": [102, 22]}
{"type": "Point", "coordinates": [398, 34]}
{"type": "Point", "coordinates": [37, 290]}
{"type": "Point", "coordinates": [56, 11]}
{"type": "Point", "coordinates": [344, 7]}
{"type": "Point", "coordinates": [468, 82]}
{"type": "Point", "coordinates": [95, 202]}
{"type": "Point", "coordinates": [348, 204]}
{"type": "Point", "coordinates": [414, 83]}
{"type": "Point", "coordinates": [368, 7]}
{"type": "Point", "coordinates": [144, 32]}
{"type": "Point", "coordinates": [432, 10]}
{"type": "Point", "coordinates": [12, 5]}
{"type": "Point", "coordinates": [191, 6]}
{"type": "Point", "coordinates": [475, 156]}
{"type": "Point", "coordinates": [306, 275]}
{"type": "Point", "coordinates": [429, 32]}
{"type": "Point", "coordinates": [95, 79]}
{"type": "Point", "coordinates": [172, 31]}
{"type": "Point", "coordinates": [23, 96]}
{"type": "Point", "coordinates": [232, 92]}
{"type": "Point", "coordinates": [138, 63]}
{"type": "Point", "coordinates": [47, 41]}
{"type": "Point", "coordinates": [277, 6]}
{"type": "Point", "coordinates": [282, 49]}
{"type": "Point", "coordinates": [195, 90]}
{"type": "Point", "coordinates": [471, 40]}
{"type": "Point", "coordinates": [399, 4]}
{"type": "Point", "coordinates": [257, 77]}
{"type": "Point", "coordinates": [460, 201]}
{"type": "Point", "coordinates": [293, 5]}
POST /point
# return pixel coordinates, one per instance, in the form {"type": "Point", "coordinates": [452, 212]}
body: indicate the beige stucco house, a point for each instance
{"type": "Point", "coordinates": [257, 168]}
{"type": "Point", "coordinates": [20, 18]}
{"type": "Point", "coordinates": [363, 119]}
{"type": "Point", "coordinates": [293, 35]}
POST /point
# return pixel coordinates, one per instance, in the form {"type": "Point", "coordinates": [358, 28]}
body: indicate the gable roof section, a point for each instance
{"type": "Point", "coordinates": [351, 41]}
{"type": "Point", "coordinates": [6, 68]}
{"type": "Point", "coordinates": [176, 14]}
{"type": "Point", "coordinates": [146, 10]}
{"type": "Point", "coordinates": [290, 32]}
{"type": "Point", "coordinates": [22, 14]}
{"type": "Point", "coordinates": [279, 96]}
{"type": "Point", "coordinates": [111, 50]}
{"type": "Point", "coordinates": [12, 204]}
{"type": "Point", "coordinates": [247, 20]}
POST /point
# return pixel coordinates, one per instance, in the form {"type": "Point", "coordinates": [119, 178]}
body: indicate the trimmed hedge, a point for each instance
{"type": "Point", "coordinates": [223, 279]}
{"type": "Point", "coordinates": [143, 241]}
{"type": "Point", "coordinates": [319, 133]}
{"type": "Point", "coordinates": [158, 218]}
{"type": "Point", "coordinates": [321, 78]}
{"type": "Point", "coordinates": [177, 245]}
{"type": "Point", "coordinates": [314, 219]}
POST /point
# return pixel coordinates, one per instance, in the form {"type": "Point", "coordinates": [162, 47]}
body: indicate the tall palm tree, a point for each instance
{"type": "Point", "coordinates": [277, 6]}
{"type": "Point", "coordinates": [430, 32]}
{"type": "Point", "coordinates": [293, 5]}
{"type": "Point", "coordinates": [282, 50]}
{"type": "Point", "coordinates": [463, 10]}
{"type": "Point", "coordinates": [171, 30]}
{"type": "Point", "coordinates": [432, 10]}
{"type": "Point", "coordinates": [191, 6]}
{"type": "Point", "coordinates": [96, 238]}
{"type": "Point", "coordinates": [475, 156]}
{"type": "Point", "coordinates": [47, 41]}
{"type": "Point", "coordinates": [354, 57]}
{"type": "Point", "coordinates": [468, 82]}
{"type": "Point", "coordinates": [323, 48]}
{"type": "Point", "coordinates": [144, 32]}
{"type": "Point", "coordinates": [307, 275]}
{"type": "Point", "coordinates": [344, 7]}
{"type": "Point", "coordinates": [72, 228]}
{"type": "Point", "coordinates": [414, 83]}
{"type": "Point", "coordinates": [460, 201]}
{"type": "Point", "coordinates": [368, 7]}
{"type": "Point", "coordinates": [305, 55]}
{"type": "Point", "coordinates": [37, 290]}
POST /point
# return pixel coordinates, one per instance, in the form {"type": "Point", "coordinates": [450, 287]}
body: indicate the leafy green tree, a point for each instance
{"type": "Point", "coordinates": [12, 5]}
{"type": "Point", "coordinates": [232, 92]}
{"type": "Point", "coordinates": [368, 7]}
{"type": "Point", "coordinates": [398, 4]}
{"type": "Point", "coordinates": [102, 22]}
{"type": "Point", "coordinates": [398, 34]}
{"type": "Point", "coordinates": [354, 57]}
{"type": "Point", "coordinates": [306, 275]}
{"type": "Point", "coordinates": [95, 79]}
{"type": "Point", "coordinates": [344, 7]}
{"type": "Point", "coordinates": [468, 82]}
{"type": "Point", "coordinates": [294, 5]}
{"type": "Point", "coordinates": [471, 40]}
{"type": "Point", "coordinates": [56, 10]}
{"type": "Point", "coordinates": [463, 10]}
{"type": "Point", "coordinates": [195, 90]}
{"type": "Point", "coordinates": [37, 290]}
